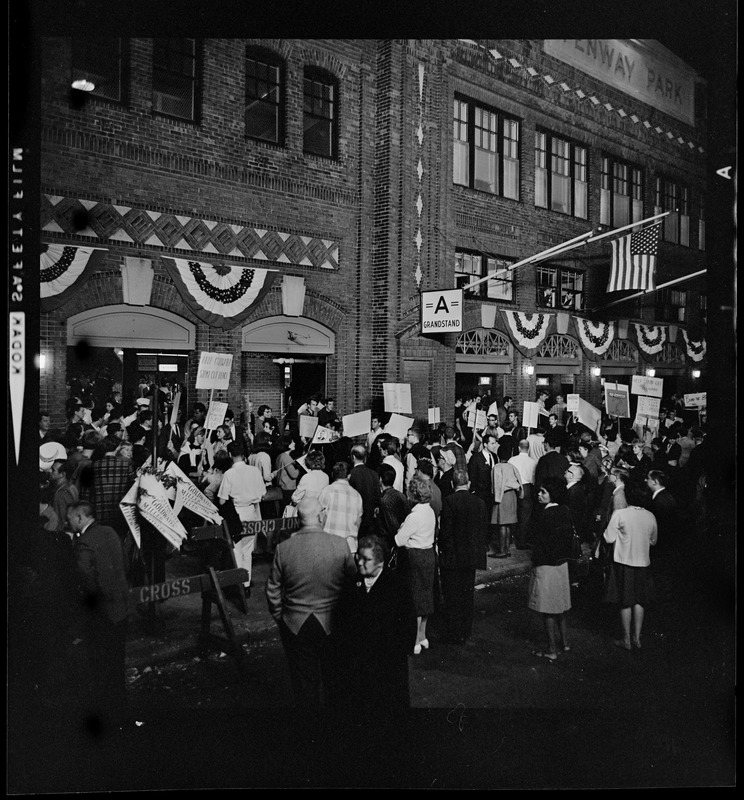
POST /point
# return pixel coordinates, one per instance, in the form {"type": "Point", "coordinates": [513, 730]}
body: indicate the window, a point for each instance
{"type": "Point", "coordinates": [264, 97]}
{"type": "Point", "coordinates": [621, 197]}
{"type": "Point", "coordinates": [670, 305]}
{"type": "Point", "coordinates": [320, 113]}
{"type": "Point", "coordinates": [674, 198]}
{"type": "Point", "coordinates": [563, 186]}
{"type": "Point", "coordinates": [469, 267]}
{"type": "Point", "coordinates": [102, 62]}
{"type": "Point", "coordinates": [174, 84]}
{"type": "Point", "coordinates": [560, 288]}
{"type": "Point", "coordinates": [701, 223]}
{"type": "Point", "coordinates": [485, 149]}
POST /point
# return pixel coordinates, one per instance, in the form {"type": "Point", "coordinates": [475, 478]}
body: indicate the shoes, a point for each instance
{"type": "Point", "coordinates": [417, 650]}
{"type": "Point", "coordinates": [491, 554]}
{"type": "Point", "coordinates": [637, 643]}
{"type": "Point", "coordinates": [501, 555]}
{"type": "Point", "coordinates": [424, 643]}
{"type": "Point", "coordinates": [566, 648]}
{"type": "Point", "coordinates": [622, 644]}
{"type": "Point", "coordinates": [542, 654]}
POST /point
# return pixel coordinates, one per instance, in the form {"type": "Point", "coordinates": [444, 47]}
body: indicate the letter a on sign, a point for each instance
{"type": "Point", "coordinates": [441, 305]}
{"type": "Point", "coordinates": [441, 311]}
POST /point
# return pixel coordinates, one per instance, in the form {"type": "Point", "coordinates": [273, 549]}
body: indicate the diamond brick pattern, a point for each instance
{"type": "Point", "coordinates": [158, 229]}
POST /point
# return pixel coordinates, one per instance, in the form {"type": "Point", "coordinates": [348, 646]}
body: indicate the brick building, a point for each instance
{"type": "Point", "coordinates": [358, 173]}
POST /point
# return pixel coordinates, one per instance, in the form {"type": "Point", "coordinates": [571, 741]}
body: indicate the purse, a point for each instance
{"type": "Point", "coordinates": [569, 543]}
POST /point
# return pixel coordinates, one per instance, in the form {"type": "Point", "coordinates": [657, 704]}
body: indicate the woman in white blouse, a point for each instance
{"type": "Point", "coordinates": [313, 482]}
{"type": "Point", "coordinates": [415, 537]}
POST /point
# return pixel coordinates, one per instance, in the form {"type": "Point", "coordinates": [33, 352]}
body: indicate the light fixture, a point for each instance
{"type": "Point", "coordinates": [41, 361]}
{"type": "Point", "coordinates": [596, 371]}
{"type": "Point", "coordinates": [696, 373]}
{"type": "Point", "coordinates": [543, 382]}
{"type": "Point", "coordinates": [529, 369]}
{"type": "Point", "coordinates": [168, 368]}
{"type": "Point", "coordinates": [83, 85]}
{"type": "Point", "coordinates": [650, 373]}
{"type": "Point", "coordinates": [484, 381]}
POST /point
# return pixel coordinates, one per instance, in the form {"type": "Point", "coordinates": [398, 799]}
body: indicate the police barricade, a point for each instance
{"type": "Point", "coordinates": [273, 531]}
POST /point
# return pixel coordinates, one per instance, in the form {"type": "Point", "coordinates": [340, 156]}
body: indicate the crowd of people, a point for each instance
{"type": "Point", "coordinates": [391, 532]}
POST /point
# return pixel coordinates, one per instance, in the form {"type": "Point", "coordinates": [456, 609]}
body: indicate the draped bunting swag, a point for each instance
{"type": "Point", "coordinates": [595, 336]}
{"type": "Point", "coordinates": [63, 270]}
{"type": "Point", "coordinates": [222, 296]}
{"type": "Point", "coordinates": [651, 338]}
{"type": "Point", "coordinates": [528, 330]}
{"type": "Point", "coordinates": [695, 350]}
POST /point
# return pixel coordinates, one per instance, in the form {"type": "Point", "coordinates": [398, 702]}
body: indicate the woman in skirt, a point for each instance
{"type": "Point", "coordinates": [550, 589]}
{"type": "Point", "coordinates": [507, 490]}
{"type": "Point", "coordinates": [633, 530]}
{"type": "Point", "coordinates": [415, 537]}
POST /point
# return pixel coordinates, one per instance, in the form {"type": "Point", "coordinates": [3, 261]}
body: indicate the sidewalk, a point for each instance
{"type": "Point", "coordinates": [180, 617]}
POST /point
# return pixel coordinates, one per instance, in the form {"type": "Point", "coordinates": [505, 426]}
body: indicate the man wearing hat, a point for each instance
{"type": "Point", "coordinates": [49, 452]}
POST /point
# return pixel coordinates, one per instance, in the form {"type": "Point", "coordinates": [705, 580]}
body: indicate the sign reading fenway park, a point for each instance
{"type": "Point", "coordinates": [441, 311]}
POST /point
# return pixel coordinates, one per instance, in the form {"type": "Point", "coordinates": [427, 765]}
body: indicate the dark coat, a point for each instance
{"type": "Point", "coordinates": [481, 480]}
{"type": "Point", "coordinates": [367, 483]}
{"type": "Point", "coordinates": [664, 508]}
{"type": "Point", "coordinates": [463, 532]}
{"type": "Point", "coordinates": [392, 513]}
{"type": "Point", "coordinates": [578, 503]}
{"type": "Point", "coordinates": [551, 465]}
{"type": "Point", "coordinates": [100, 565]}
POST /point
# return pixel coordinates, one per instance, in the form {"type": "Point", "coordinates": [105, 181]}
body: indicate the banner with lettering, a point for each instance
{"type": "Point", "coordinates": [189, 496]}
{"type": "Point", "coordinates": [214, 370]}
{"type": "Point", "coordinates": [222, 296]}
{"type": "Point", "coordinates": [617, 399]}
{"type": "Point", "coordinates": [154, 506]}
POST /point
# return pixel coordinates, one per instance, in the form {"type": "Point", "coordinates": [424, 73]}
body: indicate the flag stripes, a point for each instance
{"type": "Point", "coordinates": [634, 260]}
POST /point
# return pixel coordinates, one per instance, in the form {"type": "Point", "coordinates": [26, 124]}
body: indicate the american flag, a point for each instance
{"type": "Point", "coordinates": [634, 260]}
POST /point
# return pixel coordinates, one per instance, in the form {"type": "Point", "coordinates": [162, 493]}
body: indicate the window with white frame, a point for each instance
{"type": "Point", "coordinates": [485, 149]}
{"type": "Point", "coordinates": [674, 198]}
{"type": "Point", "coordinates": [264, 96]}
{"type": "Point", "coordinates": [621, 195]}
{"type": "Point", "coordinates": [470, 266]}
{"type": "Point", "coordinates": [101, 61]}
{"type": "Point", "coordinates": [320, 113]}
{"type": "Point", "coordinates": [560, 288]}
{"type": "Point", "coordinates": [560, 175]}
{"type": "Point", "coordinates": [174, 78]}
{"type": "Point", "coordinates": [671, 305]}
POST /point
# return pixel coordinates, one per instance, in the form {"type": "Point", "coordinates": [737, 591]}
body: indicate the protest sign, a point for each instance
{"type": "Point", "coordinates": [153, 505]}
{"type": "Point", "coordinates": [530, 413]}
{"type": "Point", "coordinates": [174, 411]}
{"type": "Point", "coordinates": [189, 496]}
{"type": "Point", "coordinates": [398, 426]}
{"type": "Point", "coordinates": [589, 415]}
{"type": "Point", "coordinates": [648, 406]}
{"type": "Point", "coordinates": [215, 415]}
{"type": "Point", "coordinates": [214, 370]}
{"type": "Point", "coordinates": [697, 400]}
{"type": "Point", "coordinates": [434, 416]}
{"type": "Point", "coordinates": [397, 397]}
{"type": "Point", "coordinates": [128, 506]}
{"type": "Point", "coordinates": [477, 418]}
{"type": "Point", "coordinates": [617, 399]}
{"type": "Point", "coordinates": [572, 402]}
{"type": "Point", "coordinates": [642, 384]}
{"type": "Point", "coordinates": [323, 435]}
{"type": "Point", "coordinates": [358, 424]}
{"type": "Point", "coordinates": [308, 425]}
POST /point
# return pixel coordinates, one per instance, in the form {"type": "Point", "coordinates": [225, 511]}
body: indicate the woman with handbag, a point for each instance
{"type": "Point", "coordinates": [550, 588]}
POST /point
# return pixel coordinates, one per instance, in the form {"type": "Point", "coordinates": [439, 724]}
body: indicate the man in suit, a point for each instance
{"type": "Point", "coordinates": [480, 473]}
{"type": "Point", "coordinates": [664, 507]}
{"type": "Point", "coordinates": [302, 591]}
{"type": "Point", "coordinates": [463, 534]}
{"type": "Point", "coordinates": [376, 633]}
{"type": "Point", "coordinates": [367, 483]}
{"type": "Point", "coordinates": [99, 561]}
{"type": "Point", "coordinates": [552, 464]}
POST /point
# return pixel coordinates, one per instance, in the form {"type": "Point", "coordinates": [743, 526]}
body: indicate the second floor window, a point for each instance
{"type": "Point", "coordinates": [621, 198]}
{"type": "Point", "coordinates": [560, 175]}
{"type": "Point", "coordinates": [486, 149]}
{"type": "Point", "coordinates": [560, 288]}
{"type": "Point", "coordinates": [264, 97]}
{"type": "Point", "coordinates": [102, 62]}
{"type": "Point", "coordinates": [471, 266]}
{"type": "Point", "coordinates": [671, 305]}
{"type": "Point", "coordinates": [174, 78]}
{"type": "Point", "coordinates": [674, 198]}
{"type": "Point", "coordinates": [320, 114]}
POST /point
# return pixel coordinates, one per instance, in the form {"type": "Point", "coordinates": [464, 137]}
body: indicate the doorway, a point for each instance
{"type": "Point", "coordinates": [303, 378]}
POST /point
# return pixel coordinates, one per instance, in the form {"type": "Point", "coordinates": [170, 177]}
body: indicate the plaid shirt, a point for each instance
{"type": "Point", "coordinates": [343, 506]}
{"type": "Point", "coordinates": [112, 477]}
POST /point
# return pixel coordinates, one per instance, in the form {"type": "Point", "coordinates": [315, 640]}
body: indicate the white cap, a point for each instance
{"type": "Point", "coordinates": [49, 452]}
{"type": "Point", "coordinates": [142, 401]}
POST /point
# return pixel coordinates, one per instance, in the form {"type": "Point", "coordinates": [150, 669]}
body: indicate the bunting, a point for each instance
{"type": "Point", "coordinates": [528, 330]}
{"type": "Point", "coordinates": [220, 295]}
{"type": "Point", "coordinates": [63, 270]}
{"type": "Point", "coordinates": [651, 338]}
{"type": "Point", "coordinates": [595, 336]}
{"type": "Point", "coordinates": [695, 350]}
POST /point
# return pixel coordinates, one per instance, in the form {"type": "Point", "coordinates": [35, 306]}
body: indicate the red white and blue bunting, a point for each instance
{"type": "Point", "coordinates": [595, 336]}
{"type": "Point", "coordinates": [220, 295]}
{"type": "Point", "coordinates": [528, 330]}
{"type": "Point", "coordinates": [695, 350]}
{"type": "Point", "coordinates": [63, 270]}
{"type": "Point", "coordinates": [651, 338]}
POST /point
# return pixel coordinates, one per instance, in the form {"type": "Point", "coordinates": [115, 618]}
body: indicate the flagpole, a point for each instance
{"type": "Point", "coordinates": [626, 227]}
{"type": "Point", "coordinates": [650, 291]}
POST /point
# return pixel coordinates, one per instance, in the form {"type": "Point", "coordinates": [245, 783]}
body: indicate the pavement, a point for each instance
{"type": "Point", "coordinates": [171, 631]}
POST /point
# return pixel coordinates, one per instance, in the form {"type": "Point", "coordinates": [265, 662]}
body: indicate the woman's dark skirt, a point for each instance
{"type": "Point", "coordinates": [629, 586]}
{"type": "Point", "coordinates": [420, 572]}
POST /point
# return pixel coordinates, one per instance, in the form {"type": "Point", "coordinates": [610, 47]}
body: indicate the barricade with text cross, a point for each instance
{"type": "Point", "coordinates": [210, 585]}
{"type": "Point", "coordinates": [219, 535]}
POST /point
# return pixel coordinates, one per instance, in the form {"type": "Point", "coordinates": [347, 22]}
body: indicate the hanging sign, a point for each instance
{"type": "Point", "coordinates": [642, 384]}
{"type": "Point", "coordinates": [441, 311]}
{"type": "Point", "coordinates": [214, 370]}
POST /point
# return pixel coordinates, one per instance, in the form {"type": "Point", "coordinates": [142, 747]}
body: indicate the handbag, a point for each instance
{"type": "Point", "coordinates": [290, 511]}
{"type": "Point", "coordinates": [568, 544]}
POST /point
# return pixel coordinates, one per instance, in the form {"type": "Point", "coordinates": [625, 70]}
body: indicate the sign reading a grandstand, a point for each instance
{"type": "Point", "coordinates": [441, 311]}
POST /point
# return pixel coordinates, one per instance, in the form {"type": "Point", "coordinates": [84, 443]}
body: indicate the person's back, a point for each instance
{"type": "Point", "coordinates": [367, 483]}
